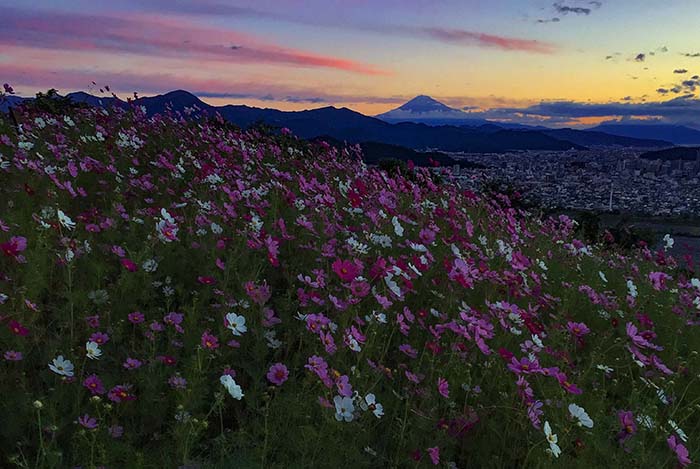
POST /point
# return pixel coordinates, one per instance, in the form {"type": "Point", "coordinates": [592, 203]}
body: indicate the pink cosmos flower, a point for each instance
{"type": "Point", "coordinates": [88, 422]}
{"type": "Point", "coordinates": [443, 387]}
{"type": "Point", "coordinates": [132, 364]}
{"type": "Point", "coordinates": [177, 382]}
{"type": "Point", "coordinates": [209, 341]}
{"type": "Point", "coordinates": [136, 317]}
{"type": "Point", "coordinates": [343, 385]}
{"type": "Point", "coordinates": [14, 246]}
{"type": "Point", "coordinates": [658, 280]}
{"type": "Point", "coordinates": [434, 454]}
{"type": "Point", "coordinates": [628, 427]}
{"type": "Point", "coordinates": [94, 384]}
{"type": "Point", "coordinates": [121, 393]}
{"type": "Point", "coordinates": [277, 374]}
{"type": "Point", "coordinates": [129, 265]}
{"type": "Point", "coordinates": [347, 270]}
{"type": "Point", "coordinates": [578, 329]}
{"type": "Point", "coordinates": [680, 450]}
{"type": "Point", "coordinates": [12, 356]}
{"type": "Point", "coordinates": [17, 329]}
{"type": "Point", "coordinates": [100, 338]}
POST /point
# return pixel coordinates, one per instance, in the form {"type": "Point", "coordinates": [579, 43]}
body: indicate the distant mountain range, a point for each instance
{"type": "Point", "coordinates": [343, 124]}
{"type": "Point", "coordinates": [426, 110]}
{"type": "Point", "coordinates": [677, 134]}
{"type": "Point", "coordinates": [673, 154]}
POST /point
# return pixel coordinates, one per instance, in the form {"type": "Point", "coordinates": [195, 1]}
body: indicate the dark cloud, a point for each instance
{"type": "Point", "coordinates": [692, 54]}
{"type": "Point", "coordinates": [662, 91]}
{"type": "Point", "coordinates": [551, 20]}
{"type": "Point", "coordinates": [684, 108]}
{"type": "Point", "coordinates": [596, 4]}
{"type": "Point", "coordinates": [680, 71]}
{"type": "Point", "coordinates": [566, 9]}
{"type": "Point", "coordinates": [663, 49]}
{"type": "Point", "coordinates": [641, 57]}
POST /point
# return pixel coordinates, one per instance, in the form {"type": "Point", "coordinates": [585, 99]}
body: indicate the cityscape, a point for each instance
{"type": "Point", "coordinates": [604, 179]}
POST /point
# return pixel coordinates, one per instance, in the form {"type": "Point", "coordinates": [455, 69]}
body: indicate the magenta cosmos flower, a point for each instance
{"type": "Point", "coordinates": [680, 450]}
{"type": "Point", "coordinates": [278, 374]}
{"type": "Point", "coordinates": [347, 270]}
{"type": "Point", "coordinates": [628, 426]}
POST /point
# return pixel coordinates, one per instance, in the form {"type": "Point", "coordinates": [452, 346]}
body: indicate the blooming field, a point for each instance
{"type": "Point", "coordinates": [175, 292]}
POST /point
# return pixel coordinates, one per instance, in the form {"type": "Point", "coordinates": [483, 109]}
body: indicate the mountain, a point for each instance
{"type": "Point", "coordinates": [347, 125]}
{"type": "Point", "coordinates": [673, 154]}
{"type": "Point", "coordinates": [592, 138]}
{"type": "Point", "coordinates": [10, 101]}
{"type": "Point", "coordinates": [676, 134]}
{"type": "Point", "coordinates": [426, 110]}
{"type": "Point", "coordinates": [102, 101]}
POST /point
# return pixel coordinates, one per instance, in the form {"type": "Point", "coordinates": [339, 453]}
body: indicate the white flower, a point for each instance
{"type": "Point", "coordinates": [398, 229]}
{"type": "Point", "coordinates": [150, 265]}
{"type": "Point", "coordinates": [668, 242]}
{"type": "Point", "coordinates": [604, 368]}
{"type": "Point", "coordinates": [603, 277]}
{"type": "Point", "coordinates": [393, 286]}
{"type": "Point", "coordinates": [537, 341]}
{"type": "Point", "coordinates": [236, 323]}
{"type": "Point", "coordinates": [645, 421]}
{"type": "Point", "coordinates": [678, 430]}
{"type": "Point", "coordinates": [370, 403]}
{"type": "Point", "coordinates": [61, 366]}
{"type": "Point", "coordinates": [552, 439]}
{"type": "Point", "coordinates": [632, 289]}
{"type": "Point", "coordinates": [695, 283]}
{"type": "Point", "coordinates": [65, 220]}
{"type": "Point", "coordinates": [343, 408]}
{"type": "Point", "coordinates": [232, 387]}
{"type": "Point", "coordinates": [580, 414]}
{"type": "Point", "coordinates": [93, 351]}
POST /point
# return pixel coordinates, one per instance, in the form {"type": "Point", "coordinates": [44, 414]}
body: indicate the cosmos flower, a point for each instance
{"type": "Point", "coordinates": [61, 366]}
{"type": "Point", "coordinates": [232, 387]}
{"type": "Point", "coordinates": [344, 408]}
{"type": "Point", "coordinates": [579, 413]}
{"type": "Point", "coordinates": [236, 323]}
{"type": "Point", "coordinates": [277, 374]}
{"type": "Point", "coordinates": [92, 350]}
{"type": "Point", "coordinates": [552, 439]}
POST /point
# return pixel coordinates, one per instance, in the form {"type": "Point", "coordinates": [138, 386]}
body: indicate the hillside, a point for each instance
{"type": "Point", "coordinates": [676, 134]}
{"type": "Point", "coordinates": [177, 293]}
{"type": "Point", "coordinates": [671, 154]}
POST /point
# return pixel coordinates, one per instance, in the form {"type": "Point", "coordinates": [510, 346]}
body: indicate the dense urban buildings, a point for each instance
{"type": "Point", "coordinates": [609, 179]}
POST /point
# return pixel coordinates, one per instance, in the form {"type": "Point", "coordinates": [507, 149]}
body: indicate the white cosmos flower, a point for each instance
{"type": "Point", "coordinates": [668, 242]}
{"type": "Point", "coordinates": [236, 323]}
{"type": "Point", "coordinates": [695, 283]}
{"type": "Point", "coordinates": [632, 289]}
{"type": "Point", "coordinates": [232, 387]}
{"type": "Point", "coordinates": [61, 366]}
{"type": "Point", "coordinates": [92, 350]}
{"type": "Point", "coordinates": [65, 220]}
{"type": "Point", "coordinates": [580, 414]}
{"type": "Point", "coordinates": [552, 440]}
{"type": "Point", "coordinates": [603, 277]}
{"type": "Point", "coordinates": [343, 408]}
{"type": "Point", "coordinates": [370, 403]}
{"type": "Point", "coordinates": [393, 286]}
{"type": "Point", "coordinates": [678, 430]}
{"type": "Point", "coordinates": [398, 229]}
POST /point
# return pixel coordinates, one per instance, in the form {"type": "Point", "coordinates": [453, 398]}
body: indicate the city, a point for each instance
{"type": "Point", "coordinates": [606, 179]}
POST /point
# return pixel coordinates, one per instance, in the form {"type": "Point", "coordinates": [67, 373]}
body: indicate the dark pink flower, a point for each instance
{"type": "Point", "coordinates": [443, 387]}
{"type": "Point", "coordinates": [88, 422]}
{"type": "Point", "coordinates": [680, 450]}
{"type": "Point", "coordinates": [277, 374]}
{"type": "Point", "coordinates": [94, 384]}
{"type": "Point", "coordinates": [17, 329]}
{"type": "Point", "coordinates": [347, 270]}
{"type": "Point", "coordinates": [434, 454]}
{"type": "Point", "coordinates": [209, 341]}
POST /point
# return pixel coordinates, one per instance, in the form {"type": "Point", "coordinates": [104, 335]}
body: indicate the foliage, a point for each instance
{"type": "Point", "coordinates": [237, 299]}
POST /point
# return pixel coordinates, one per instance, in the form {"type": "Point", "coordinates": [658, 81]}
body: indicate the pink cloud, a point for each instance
{"type": "Point", "coordinates": [28, 79]}
{"type": "Point", "coordinates": [158, 37]}
{"type": "Point", "coordinates": [459, 36]}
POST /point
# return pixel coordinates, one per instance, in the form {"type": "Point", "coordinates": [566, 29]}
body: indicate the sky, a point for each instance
{"type": "Point", "coordinates": [563, 63]}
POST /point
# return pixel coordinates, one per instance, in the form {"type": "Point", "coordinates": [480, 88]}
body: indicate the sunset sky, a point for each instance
{"type": "Point", "coordinates": [560, 63]}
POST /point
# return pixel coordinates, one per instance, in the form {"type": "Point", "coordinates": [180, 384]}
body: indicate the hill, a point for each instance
{"type": "Point", "coordinates": [676, 134]}
{"type": "Point", "coordinates": [676, 153]}
{"type": "Point", "coordinates": [181, 293]}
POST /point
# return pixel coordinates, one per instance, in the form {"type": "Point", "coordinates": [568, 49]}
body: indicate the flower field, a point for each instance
{"type": "Point", "coordinates": [178, 293]}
